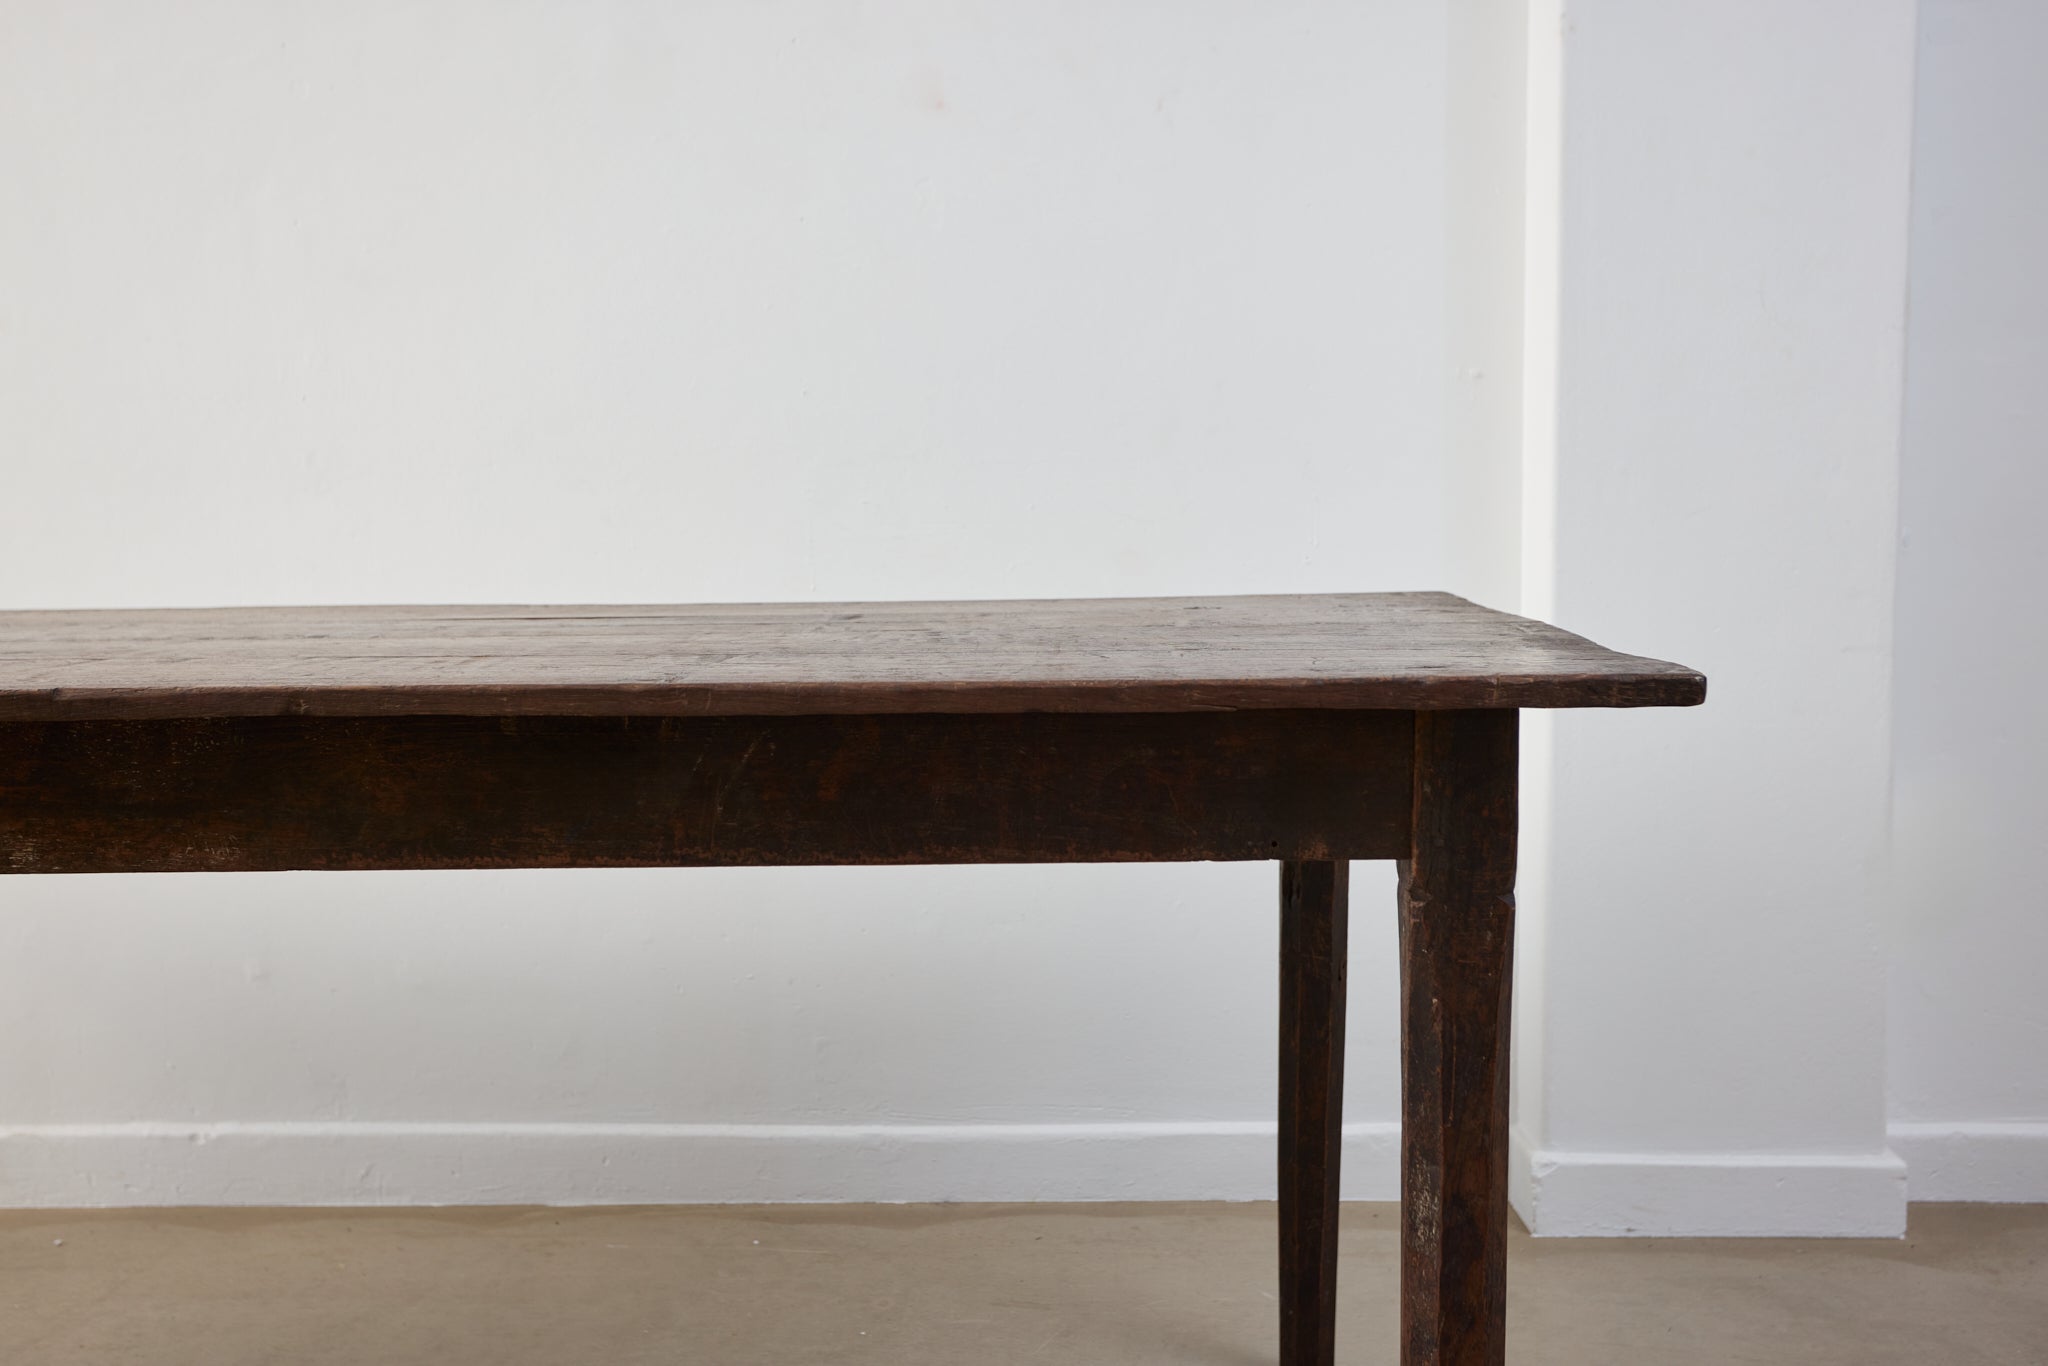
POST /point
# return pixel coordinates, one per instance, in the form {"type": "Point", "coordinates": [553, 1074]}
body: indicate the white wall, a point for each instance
{"type": "Point", "coordinates": [1969, 1009]}
{"type": "Point", "coordinates": [1486, 60]}
{"type": "Point", "coordinates": [1727, 341]}
{"type": "Point", "coordinates": [632, 301]}
{"type": "Point", "coordinates": [1595, 307]}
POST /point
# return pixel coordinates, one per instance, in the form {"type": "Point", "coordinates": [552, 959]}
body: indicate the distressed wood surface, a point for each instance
{"type": "Point", "coordinates": [1310, 730]}
{"type": "Point", "coordinates": [1380, 650]}
{"type": "Point", "coordinates": [1314, 918]}
{"type": "Point", "coordinates": [261, 793]}
{"type": "Point", "coordinates": [1457, 917]}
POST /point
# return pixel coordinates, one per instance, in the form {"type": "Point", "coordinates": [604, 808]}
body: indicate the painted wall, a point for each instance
{"type": "Point", "coordinates": [1727, 343]}
{"type": "Point", "coordinates": [1596, 308]}
{"type": "Point", "coordinates": [1969, 945]}
{"type": "Point", "coordinates": [1486, 63]}
{"type": "Point", "coordinates": [632, 301]}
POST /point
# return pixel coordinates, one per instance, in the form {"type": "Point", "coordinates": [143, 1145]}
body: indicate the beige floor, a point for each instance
{"type": "Point", "coordinates": [912, 1285]}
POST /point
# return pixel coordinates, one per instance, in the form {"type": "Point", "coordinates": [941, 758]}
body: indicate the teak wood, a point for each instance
{"type": "Point", "coordinates": [1305, 730]}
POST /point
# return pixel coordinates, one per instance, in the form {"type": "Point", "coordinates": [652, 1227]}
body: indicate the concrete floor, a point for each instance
{"type": "Point", "coordinates": [917, 1285]}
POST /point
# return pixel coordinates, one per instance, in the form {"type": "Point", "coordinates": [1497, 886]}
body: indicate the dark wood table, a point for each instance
{"type": "Point", "coordinates": [1306, 730]}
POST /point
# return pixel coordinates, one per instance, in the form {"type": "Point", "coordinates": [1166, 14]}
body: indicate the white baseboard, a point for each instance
{"type": "Point", "coordinates": [1707, 1195]}
{"type": "Point", "coordinates": [105, 1165]}
{"type": "Point", "coordinates": [1558, 1194]}
{"type": "Point", "coordinates": [1992, 1162]}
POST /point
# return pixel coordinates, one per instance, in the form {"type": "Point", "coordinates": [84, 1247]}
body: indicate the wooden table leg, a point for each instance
{"type": "Point", "coordinates": [1313, 911]}
{"type": "Point", "coordinates": [1457, 910]}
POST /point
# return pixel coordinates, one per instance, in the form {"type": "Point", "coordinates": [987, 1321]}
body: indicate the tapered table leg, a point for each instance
{"type": "Point", "coordinates": [1313, 911]}
{"type": "Point", "coordinates": [1457, 912]}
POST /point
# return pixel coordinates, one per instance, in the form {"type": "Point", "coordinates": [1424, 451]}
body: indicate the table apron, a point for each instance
{"type": "Point", "coordinates": [283, 792]}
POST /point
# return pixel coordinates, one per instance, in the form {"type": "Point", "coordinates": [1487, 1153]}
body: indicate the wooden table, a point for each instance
{"type": "Point", "coordinates": [1307, 730]}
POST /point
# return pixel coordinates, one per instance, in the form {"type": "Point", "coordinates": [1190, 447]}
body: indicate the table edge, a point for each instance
{"type": "Point", "coordinates": [1671, 686]}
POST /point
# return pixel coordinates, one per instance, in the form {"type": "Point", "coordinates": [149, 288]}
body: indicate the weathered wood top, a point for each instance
{"type": "Point", "coordinates": [1373, 650]}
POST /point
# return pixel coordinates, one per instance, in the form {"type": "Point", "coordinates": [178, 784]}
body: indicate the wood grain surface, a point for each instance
{"type": "Point", "coordinates": [1457, 919]}
{"type": "Point", "coordinates": [1345, 651]}
{"type": "Point", "coordinates": [1306, 729]}
{"type": "Point", "coordinates": [242, 794]}
{"type": "Point", "coordinates": [1315, 900]}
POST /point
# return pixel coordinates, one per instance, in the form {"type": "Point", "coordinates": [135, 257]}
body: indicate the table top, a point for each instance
{"type": "Point", "coordinates": [1345, 651]}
